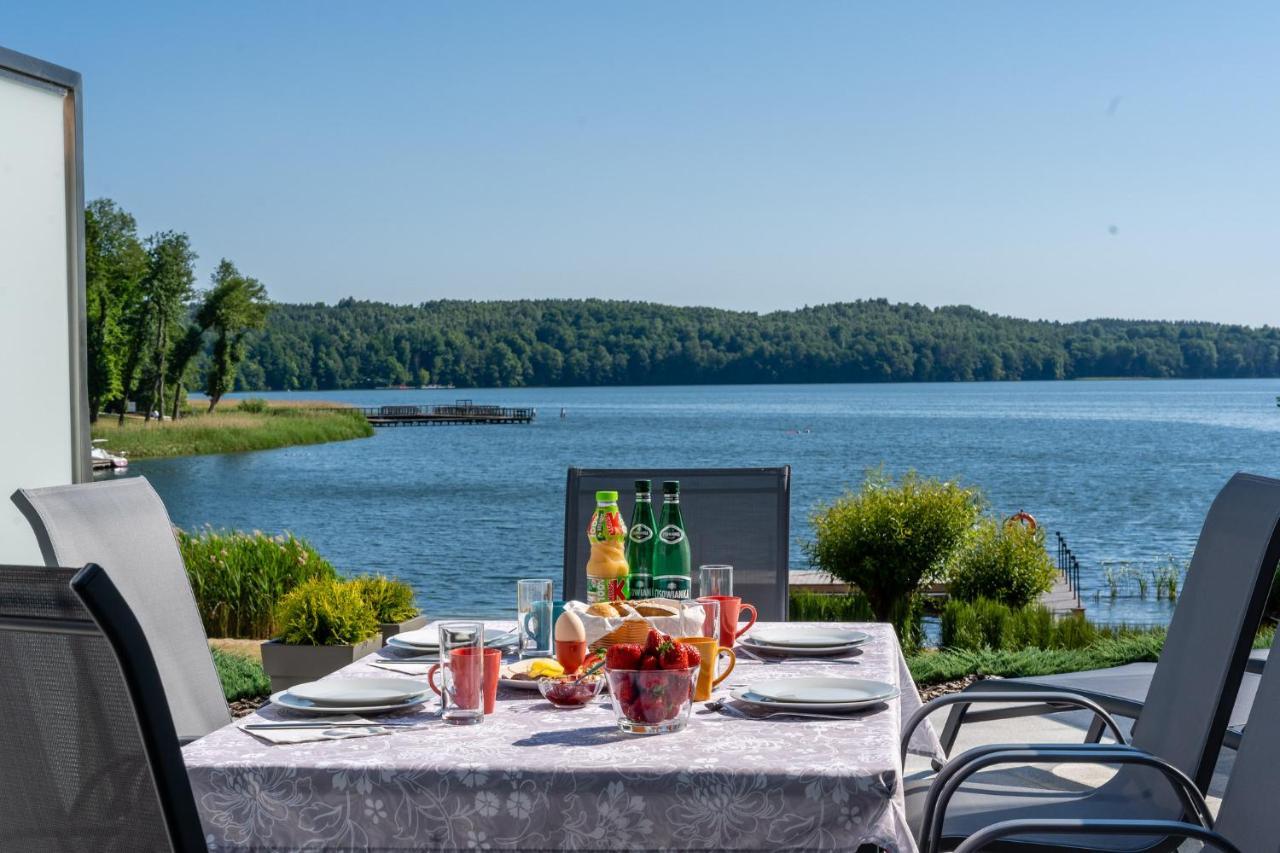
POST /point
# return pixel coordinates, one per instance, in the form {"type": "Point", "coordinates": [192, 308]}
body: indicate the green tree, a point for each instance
{"type": "Point", "coordinates": [115, 263]}
{"type": "Point", "coordinates": [184, 352]}
{"type": "Point", "coordinates": [234, 306]}
{"type": "Point", "coordinates": [167, 289]}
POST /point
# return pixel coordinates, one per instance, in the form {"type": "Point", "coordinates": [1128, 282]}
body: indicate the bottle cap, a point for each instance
{"type": "Point", "coordinates": [671, 487]}
{"type": "Point", "coordinates": [644, 486]}
{"type": "Point", "coordinates": [606, 497]}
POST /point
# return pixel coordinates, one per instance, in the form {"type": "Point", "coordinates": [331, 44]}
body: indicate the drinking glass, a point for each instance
{"type": "Point", "coordinates": [704, 624]}
{"type": "Point", "coordinates": [534, 615]}
{"type": "Point", "coordinates": [715, 580]}
{"type": "Point", "coordinates": [462, 664]}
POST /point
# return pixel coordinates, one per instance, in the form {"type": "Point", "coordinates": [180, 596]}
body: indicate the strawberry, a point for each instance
{"type": "Point", "coordinates": [624, 656]}
{"type": "Point", "coordinates": [626, 690]}
{"type": "Point", "coordinates": [652, 708]}
{"type": "Point", "coordinates": [651, 682]}
{"type": "Point", "coordinates": [674, 656]}
{"type": "Point", "coordinates": [652, 641]}
{"type": "Point", "coordinates": [649, 662]}
{"type": "Point", "coordinates": [695, 657]}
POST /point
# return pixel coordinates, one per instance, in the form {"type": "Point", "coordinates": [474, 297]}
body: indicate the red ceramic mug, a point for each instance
{"type": "Point", "coordinates": [731, 607]}
{"type": "Point", "coordinates": [470, 682]}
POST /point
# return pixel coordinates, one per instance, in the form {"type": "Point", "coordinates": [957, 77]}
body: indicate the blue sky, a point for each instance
{"type": "Point", "coordinates": [1043, 160]}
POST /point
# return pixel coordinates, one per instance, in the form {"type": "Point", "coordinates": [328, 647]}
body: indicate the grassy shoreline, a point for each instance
{"type": "Point", "coordinates": [231, 431]}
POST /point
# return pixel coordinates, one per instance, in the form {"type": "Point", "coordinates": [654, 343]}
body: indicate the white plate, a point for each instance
{"type": "Point", "coordinates": [874, 693]}
{"type": "Point", "coordinates": [819, 688]}
{"type": "Point", "coordinates": [510, 669]}
{"type": "Point", "coordinates": [359, 691]}
{"type": "Point", "coordinates": [521, 666]}
{"type": "Point", "coordinates": [428, 639]}
{"type": "Point", "coordinates": [806, 636]}
{"type": "Point", "coordinates": [293, 703]}
{"type": "Point", "coordinates": [797, 651]}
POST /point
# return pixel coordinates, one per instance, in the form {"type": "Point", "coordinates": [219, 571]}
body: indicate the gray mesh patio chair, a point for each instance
{"type": "Point", "coordinates": [1258, 660]}
{"type": "Point", "coordinates": [89, 758]}
{"type": "Point", "coordinates": [1248, 820]}
{"type": "Point", "coordinates": [1184, 718]}
{"type": "Point", "coordinates": [739, 516]}
{"type": "Point", "coordinates": [1123, 690]}
{"type": "Point", "coordinates": [123, 526]}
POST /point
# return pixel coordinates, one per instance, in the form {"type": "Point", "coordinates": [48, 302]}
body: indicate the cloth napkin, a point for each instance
{"type": "Point", "coordinates": [287, 735]}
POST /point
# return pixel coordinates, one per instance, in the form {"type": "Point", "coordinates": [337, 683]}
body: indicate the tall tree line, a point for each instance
{"type": "Point", "coordinates": [149, 328]}
{"type": "Point", "coordinates": [357, 344]}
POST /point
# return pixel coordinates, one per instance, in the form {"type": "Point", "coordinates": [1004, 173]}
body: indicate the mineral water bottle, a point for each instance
{"type": "Point", "coordinates": [607, 572]}
{"type": "Point", "coordinates": [671, 558]}
{"type": "Point", "coordinates": [640, 543]}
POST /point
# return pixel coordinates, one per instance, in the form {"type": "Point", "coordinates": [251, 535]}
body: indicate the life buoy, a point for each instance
{"type": "Point", "coordinates": [1022, 517]}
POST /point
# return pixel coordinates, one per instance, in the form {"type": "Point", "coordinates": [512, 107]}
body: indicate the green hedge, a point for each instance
{"type": "Point", "coordinates": [983, 624]}
{"type": "Point", "coordinates": [241, 677]}
{"type": "Point", "coordinates": [1004, 562]}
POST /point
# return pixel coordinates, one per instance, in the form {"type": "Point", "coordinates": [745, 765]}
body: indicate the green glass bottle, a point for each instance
{"type": "Point", "coordinates": [671, 559]}
{"type": "Point", "coordinates": [640, 543]}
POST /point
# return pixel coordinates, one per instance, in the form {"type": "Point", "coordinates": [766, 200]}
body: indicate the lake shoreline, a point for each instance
{"type": "Point", "coordinates": [231, 431]}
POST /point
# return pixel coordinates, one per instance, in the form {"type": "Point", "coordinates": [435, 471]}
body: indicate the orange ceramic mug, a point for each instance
{"type": "Point", "coordinates": [731, 607]}
{"type": "Point", "coordinates": [710, 651]}
{"type": "Point", "coordinates": [470, 682]}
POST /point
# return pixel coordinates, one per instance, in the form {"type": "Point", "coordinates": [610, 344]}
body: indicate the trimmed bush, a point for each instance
{"type": "Point", "coordinates": [239, 578]}
{"type": "Point", "coordinates": [252, 405]}
{"type": "Point", "coordinates": [889, 538]}
{"type": "Point", "coordinates": [241, 677]}
{"type": "Point", "coordinates": [809, 606]}
{"type": "Point", "coordinates": [391, 600]}
{"type": "Point", "coordinates": [325, 612]}
{"type": "Point", "coordinates": [1002, 562]}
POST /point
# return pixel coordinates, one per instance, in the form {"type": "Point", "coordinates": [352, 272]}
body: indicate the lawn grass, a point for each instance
{"type": "Point", "coordinates": [230, 431]}
{"type": "Point", "coordinates": [241, 677]}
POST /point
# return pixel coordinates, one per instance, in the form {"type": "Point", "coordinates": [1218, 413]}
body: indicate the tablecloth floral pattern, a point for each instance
{"type": "Point", "coordinates": [535, 777]}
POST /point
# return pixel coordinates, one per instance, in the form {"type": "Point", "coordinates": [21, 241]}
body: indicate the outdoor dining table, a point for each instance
{"type": "Point", "coordinates": [533, 776]}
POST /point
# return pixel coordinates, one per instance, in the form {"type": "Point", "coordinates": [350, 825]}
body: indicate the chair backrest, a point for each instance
{"type": "Point", "coordinates": [123, 526]}
{"type": "Point", "coordinates": [739, 516]}
{"type": "Point", "coordinates": [1248, 815]}
{"type": "Point", "coordinates": [1219, 610]}
{"type": "Point", "coordinates": [89, 758]}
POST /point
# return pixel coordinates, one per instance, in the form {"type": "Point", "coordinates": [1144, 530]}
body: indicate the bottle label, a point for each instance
{"type": "Point", "coordinates": [641, 533]}
{"type": "Point", "coordinates": [641, 585]}
{"type": "Point", "coordinates": [671, 586]}
{"type": "Point", "coordinates": [607, 589]}
{"type": "Point", "coordinates": [671, 534]}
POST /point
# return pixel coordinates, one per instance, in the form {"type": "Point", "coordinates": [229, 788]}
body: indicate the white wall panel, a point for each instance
{"type": "Point", "coordinates": [37, 421]}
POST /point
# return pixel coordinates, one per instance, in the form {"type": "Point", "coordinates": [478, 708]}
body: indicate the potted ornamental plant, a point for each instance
{"type": "Point", "coordinates": [392, 603]}
{"type": "Point", "coordinates": [325, 624]}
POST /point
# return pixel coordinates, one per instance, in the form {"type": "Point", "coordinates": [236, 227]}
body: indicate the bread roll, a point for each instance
{"type": "Point", "coordinates": [603, 608]}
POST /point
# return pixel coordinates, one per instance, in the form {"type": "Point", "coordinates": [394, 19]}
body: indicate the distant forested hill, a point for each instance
{"type": "Point", "coordinates": [594, 342]}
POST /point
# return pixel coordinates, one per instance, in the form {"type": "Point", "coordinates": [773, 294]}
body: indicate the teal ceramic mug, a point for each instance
{"type": "Point", "coordinates": [540, 623]}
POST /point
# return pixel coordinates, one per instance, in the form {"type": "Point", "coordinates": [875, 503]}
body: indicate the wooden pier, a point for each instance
{"type": "Point", "coordinates": [461, 412]}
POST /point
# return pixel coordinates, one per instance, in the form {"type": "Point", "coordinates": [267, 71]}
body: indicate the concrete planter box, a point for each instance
{"type": "Point", "coordinates": [289, 665]}
{"type": "Point", "coordinates": [390, 629]}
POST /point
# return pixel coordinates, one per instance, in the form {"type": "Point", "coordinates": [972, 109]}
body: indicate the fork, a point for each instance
{"type": "Point", "coordinates": [720, 706]}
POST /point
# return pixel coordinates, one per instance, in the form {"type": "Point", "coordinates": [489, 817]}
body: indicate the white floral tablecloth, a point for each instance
{"type": "Point", "coordinates": [535, 777]}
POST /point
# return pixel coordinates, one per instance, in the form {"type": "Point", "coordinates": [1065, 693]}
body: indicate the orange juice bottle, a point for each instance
{"type": "Point", "coordinates": [608, 577]}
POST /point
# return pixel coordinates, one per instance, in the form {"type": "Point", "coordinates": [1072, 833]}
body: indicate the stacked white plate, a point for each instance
{"type": "Point", "coordinates": [817, 693]}
{"type": "Point", "coordinates": [354, 696]}
{"type": "Point", "coordinates": [427, 640]}
{"type": "Point", "coordinates": [802, 640]}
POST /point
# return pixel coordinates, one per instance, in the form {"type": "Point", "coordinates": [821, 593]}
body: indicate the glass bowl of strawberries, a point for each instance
{"type": "Point", "coordinates": [652, 684]}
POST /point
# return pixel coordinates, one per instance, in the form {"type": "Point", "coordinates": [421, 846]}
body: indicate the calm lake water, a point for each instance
{"type": "Point", "coordinates": [1125, 470]}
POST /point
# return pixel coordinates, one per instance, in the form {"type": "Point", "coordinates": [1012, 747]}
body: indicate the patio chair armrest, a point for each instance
{"type": "Point", "coordinates": [955, 773]}
{"type": "Point", "coordinates": [1011, 697]}
{"type": "Point", "coordinates": [1005, 829]}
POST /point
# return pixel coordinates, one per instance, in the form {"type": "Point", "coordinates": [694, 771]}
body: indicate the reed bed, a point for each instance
{"type": "Point", "coordinates": [238, 578]}
{"type": "Point", "coordinates": [232, 431]}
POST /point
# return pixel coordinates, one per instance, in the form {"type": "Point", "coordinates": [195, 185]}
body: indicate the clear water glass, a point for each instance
{"type": "Point", "coordinates": [534, 607]}
{"type": "Point", "coordinates": [715, 580]}
{"type": "Point", "coordinates": [707, 622]}
{"type": "Point", "coordinates": [462, 668]}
